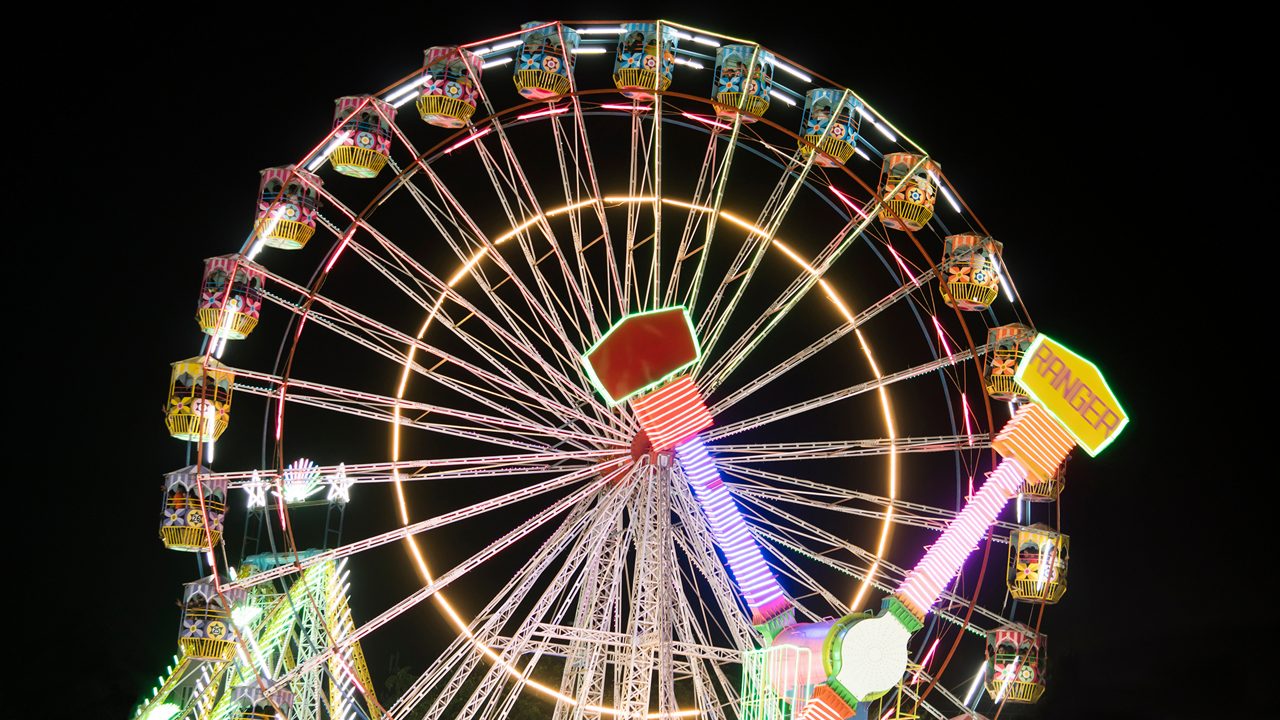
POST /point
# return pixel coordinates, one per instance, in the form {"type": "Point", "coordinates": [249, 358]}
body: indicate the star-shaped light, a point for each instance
{"type": "Point", "coordinates": [257, 490]}
{"type": "Point", "coordinates": [340, 486]}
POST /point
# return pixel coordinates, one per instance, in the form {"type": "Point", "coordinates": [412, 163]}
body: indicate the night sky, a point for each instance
{"type": "Point", "coordinates": [1073, 141]}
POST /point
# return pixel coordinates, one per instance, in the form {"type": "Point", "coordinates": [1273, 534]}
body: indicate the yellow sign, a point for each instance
{"type": "Point", "coordinates": [1071, 389]}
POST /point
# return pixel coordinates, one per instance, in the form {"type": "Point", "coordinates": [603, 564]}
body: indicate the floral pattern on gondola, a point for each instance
{"type": "Point", "coordinates": [1004, 366]}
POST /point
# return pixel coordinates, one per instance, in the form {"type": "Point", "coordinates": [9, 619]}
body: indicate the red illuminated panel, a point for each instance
{"type": "Point", "coordinates": [672, 414]}
{"type": "Point", "coordinates": [1037, 440]}
{"type": "Point", "coordinates": [641, 351]}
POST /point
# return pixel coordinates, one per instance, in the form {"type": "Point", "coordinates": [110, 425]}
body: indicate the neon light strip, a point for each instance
{"type": "Point", "coordinates": [589, 51]}
{"type": "Point", "coordinates": [672, 414]}
{"type": "Point", "coordinates": [495, 63]}
{"type": "Point", "coordinates": [872, 119]}
{"type": "Point", "coordinates": [968, 427]}
{"type": "Point", "coordinates": [942, 337]}
{"type": "Point", "coordinates": [903, 265]}
{"type": "Point", "coordinates": [1036, 440]}
{"type": "Point", "coordinates": [977, 680]}
{"type": "Point", "coordinates": [887, 524]}
{"type": "Point", "coordinates": [542, 113]}
{"type": "Point", "coordinates": [632, 108]}
{"type": "Point", "coordinates": [469, 139]}
{"type": "Point", "coordinates": [792, 71]}
{"type": "Point", "coordinates": [1009, 673]}
{"type": "Point", "coordinates": [504, 45]}
{"type": "Point", "coordinates": [337, 140]}
{"type": "Point", "coordinates": [997, 265]}
{"type": "Point", "coordinates": [751, 574]}
{"type": "Point", "coordinates": [925, 662]}
{"type": "Point", "coordinates": [944, 559]}
{"type": "Point", "coordinates": [947, 194]}
{"type": "Point", "coordinates": [395, 95]}
{"type": "Point", "coordinates": [849, 201]}
{"type": "Point", "coordinates": [707, 121]}
{"type": "Point", "coordinates": [784, 98]}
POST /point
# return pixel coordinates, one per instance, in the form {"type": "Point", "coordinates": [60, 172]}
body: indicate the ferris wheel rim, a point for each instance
{"type": "Point", "coordinates": [315, 291]}
{"type": "Point", "coordinates": [315, 286]}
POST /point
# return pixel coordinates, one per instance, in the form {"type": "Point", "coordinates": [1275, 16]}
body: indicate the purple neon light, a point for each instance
{"type": "Point", "coordinates": [945, 558]}
{"type": "Point", "coordinates": [747, 566]}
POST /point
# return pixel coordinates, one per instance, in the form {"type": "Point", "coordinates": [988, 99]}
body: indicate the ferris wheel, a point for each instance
{"type": "Point", "coordinates": [660, 394]}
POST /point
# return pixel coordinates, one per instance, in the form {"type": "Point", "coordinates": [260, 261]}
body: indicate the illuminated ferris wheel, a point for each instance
{"type": "Point", "coordinates": [662, 394]}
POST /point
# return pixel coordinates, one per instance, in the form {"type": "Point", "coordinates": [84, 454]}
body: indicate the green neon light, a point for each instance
{"type": "Point", "coordinates": [599, 386]}
{"type": "Point", "coordinates": [163, 711]}
{"type": "Point", "coordinates": [1026, 363]}
{"type": "Point", "coordinates": [245, 614]}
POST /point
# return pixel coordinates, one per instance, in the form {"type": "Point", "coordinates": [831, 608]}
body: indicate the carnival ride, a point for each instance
{"type": "Point", "coordinates": [678, 373]}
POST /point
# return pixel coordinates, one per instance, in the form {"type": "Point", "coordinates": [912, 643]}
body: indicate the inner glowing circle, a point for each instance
{"type": "Point", "coordinates": [641, 443]}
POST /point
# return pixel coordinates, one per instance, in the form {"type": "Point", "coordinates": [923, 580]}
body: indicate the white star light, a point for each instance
{"type": "Point", "coordinates": [257, 490]}
{"type": "Point", "coordinates": [340, 486]}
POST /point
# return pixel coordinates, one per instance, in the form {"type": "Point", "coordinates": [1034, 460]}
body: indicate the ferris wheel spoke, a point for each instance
{"type": "Point", "coordinates": [443, 580]}
{"type": "Point", "coordinates": [775, 313]}
{"type": "Point", "coordinates": [910, 691]}
{"type": "Point", "coordinates": [553, 604]}
{"type": "Point", "coordinates": [718, 185]}
{"type": "Point", "coordinates": [530, 215]}
{"type": "Point", "coordinates": [458, 658]}
{"type": "Point", "coordinates": [743, 268]}
{"type": "Point", "coordinates": [937, 521]}
{"type": "Point", "coordinates": [825, 449]}
{"type": "Point", "coordinates": [638, 180]}
{"type": "Point", "coordinates": [386, 409]}
{"type": "Point", "coordinates": [496, 614]}
{"type": "Point", "coordinates": [472, 643]}
{"type": "Point", "coordinates": [608, 468]}
{"type": "Point", "coordinates": [655, 146]}
{"type": "Point", "coordinates": [505, 403]}
{"type": "Point", "coordinates": [794, 525]}
{"type": "Point", "coordinates": [818, 345]}
{"type": "Point", "coordinates": [776, 486]}
{"type": "Point", "coordinates": [483, 434]}
{"type": "Point", "coordinates": [446, 291]}
{"type": "Point", "coordinates": [420, 470]}
{"type": "Point", "coordinates": [845, 393]}
{"type": "Point", "coordinates": [471, 259]}
{"type": "Point", "coordinates": [694, 535]}
{"type": "Point", "coordinates": [577, 288]}
{"type": "Point", "coordinates": [689, 633]}
{"type": "Point", "coordinates": [613, 283]}
{"type": "Point", "coordinates": [709, 171]}
{"type": "Point", "coordinates": [723, 596]}
{"type": "Point", "coordinates": [356, 320]}
{"type": "Point", "coordinates": [517, 344]}
{"type": "Point", "coordinates": [767, 224]}
{"type": "Point", "coordinates": [788, 569]}
{"type": "Point", "coordinates": [571, 179]}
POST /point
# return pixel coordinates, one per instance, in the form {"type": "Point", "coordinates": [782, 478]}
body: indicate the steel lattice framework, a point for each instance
{"type": "Point", "coordinates": [283, 630]}
{"type": "Point", "coordinates": [452, 304]}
